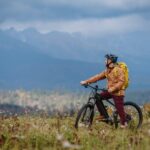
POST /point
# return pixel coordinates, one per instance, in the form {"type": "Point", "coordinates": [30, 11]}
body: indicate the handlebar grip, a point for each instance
{"type": "Point", "coordinates": [86, 85]}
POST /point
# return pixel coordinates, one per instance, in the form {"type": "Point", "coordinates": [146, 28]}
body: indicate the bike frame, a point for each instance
{"type": "Point", "coordinates": [96, 96]}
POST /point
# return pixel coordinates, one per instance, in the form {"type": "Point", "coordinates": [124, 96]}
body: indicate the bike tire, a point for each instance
{"type": "Point", "coordinates": [80, 113]}
{"type": "Point", "coordinates": [138, 109]}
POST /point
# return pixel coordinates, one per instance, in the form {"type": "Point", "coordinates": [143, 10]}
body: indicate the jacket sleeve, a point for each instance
{"type": "Point", "coordinates": [97, 77]}
{"type": "Point", "coordinates": [121, 80]}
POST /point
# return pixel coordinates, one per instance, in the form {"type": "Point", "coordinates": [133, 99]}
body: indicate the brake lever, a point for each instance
{"type": "Point", "coordinates": [85, 85]}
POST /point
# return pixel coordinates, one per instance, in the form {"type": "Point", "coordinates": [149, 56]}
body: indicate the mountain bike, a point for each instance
{"type": "Point", "coordinates": [86, 114]}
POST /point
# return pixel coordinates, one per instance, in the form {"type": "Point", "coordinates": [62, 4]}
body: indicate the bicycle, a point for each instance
{"type": "Point", "coordinates": [85, 116]}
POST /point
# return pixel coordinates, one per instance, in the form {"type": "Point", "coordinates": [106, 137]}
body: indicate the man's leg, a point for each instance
{"type": "Point", "coordinates": [119, 103]}
{"type": "Point", "coordinates": [100, 105]}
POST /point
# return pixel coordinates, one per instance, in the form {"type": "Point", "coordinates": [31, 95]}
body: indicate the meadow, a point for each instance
{"type": "Point", "coordinates": [45, 133]}
{"type": "Point", "coordinates": [42, 131]}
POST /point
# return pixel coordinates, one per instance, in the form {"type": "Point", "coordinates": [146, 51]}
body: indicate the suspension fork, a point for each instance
{"type": "Point", "coordinates": [92, 106]}
{"type": "Point", "coordinates": [100, 106]}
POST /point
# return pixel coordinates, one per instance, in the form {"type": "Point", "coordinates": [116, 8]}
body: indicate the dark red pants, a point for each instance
{"type": "Point", "coordinates": [119, 102]}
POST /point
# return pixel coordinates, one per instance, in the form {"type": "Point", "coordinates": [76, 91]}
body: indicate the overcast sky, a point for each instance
{"type": "Point", "coordinates": [90, 17]}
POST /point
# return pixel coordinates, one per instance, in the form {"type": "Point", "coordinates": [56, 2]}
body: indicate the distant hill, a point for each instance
{"type": "Point", "coordinates": [60, 45]}
{"type": "Point", "coordinates": [22, 66]}
{"type": "Point", "coordinates": [28, 59]}
{"type": "Point", "coordinates": [75, 46]}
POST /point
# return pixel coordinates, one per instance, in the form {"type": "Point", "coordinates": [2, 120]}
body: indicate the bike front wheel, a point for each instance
{"type": "Point", "coordinates": [85, 116]}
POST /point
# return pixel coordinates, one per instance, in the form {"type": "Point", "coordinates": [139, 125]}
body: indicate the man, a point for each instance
{"type": "Point", "coordinates": [115, 84]}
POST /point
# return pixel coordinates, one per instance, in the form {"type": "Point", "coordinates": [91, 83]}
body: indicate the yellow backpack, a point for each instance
{"type": "Point", "coordinates": [126, 72]}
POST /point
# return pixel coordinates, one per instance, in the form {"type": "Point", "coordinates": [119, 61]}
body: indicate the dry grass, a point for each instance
{"type": "Point", "coordinates": [58, 133]}
{"type": "Point", "coordinates": [45, 133]}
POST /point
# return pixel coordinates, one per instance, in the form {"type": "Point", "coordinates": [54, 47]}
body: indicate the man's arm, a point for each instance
{"type": "Point", "coordinates": [95, 78]}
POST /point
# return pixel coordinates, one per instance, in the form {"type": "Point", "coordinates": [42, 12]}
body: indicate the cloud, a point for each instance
{"type": "Point", "coordinates": [29, 10]}
{"type": "Point", "coordinates": [90, 17]}
{"type": "Point", "coordinates": [89, 27]}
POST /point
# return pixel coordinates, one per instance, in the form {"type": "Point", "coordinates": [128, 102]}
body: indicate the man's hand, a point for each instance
{"type": "Point", "coordinates": [83, 83]}
{"type": "Point", "coordinates": [110, 90]}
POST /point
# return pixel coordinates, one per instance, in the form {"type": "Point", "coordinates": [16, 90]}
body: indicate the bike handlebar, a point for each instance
{"type": "Point", "coordinates": [95, 88]}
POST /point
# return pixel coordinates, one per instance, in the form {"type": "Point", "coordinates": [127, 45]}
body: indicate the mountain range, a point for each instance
{"type": "Point", "coordinates": [33, 60]}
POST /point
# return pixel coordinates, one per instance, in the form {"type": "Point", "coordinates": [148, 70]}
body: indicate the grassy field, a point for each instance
{"type": "Point", "coordinates": [58, 133]}
{"type": "Point", "coordinates": [42, 132]}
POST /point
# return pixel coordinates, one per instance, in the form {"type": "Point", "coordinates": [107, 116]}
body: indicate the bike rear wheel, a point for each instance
{"type": "Point", "coordinates": [134, 115]}
{"type": "Point", "coordinates": [85, 116]}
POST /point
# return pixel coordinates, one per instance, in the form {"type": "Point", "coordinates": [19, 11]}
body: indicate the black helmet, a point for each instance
{"type": "Point", "coordinates": [112, 57]}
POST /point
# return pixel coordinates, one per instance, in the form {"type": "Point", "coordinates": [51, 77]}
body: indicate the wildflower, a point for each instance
{"type": "Point", "coordinates": [18, 137]}
{"type": "Point", "coordinates": [81, 125]}
{"type": "Point", "coordinates": [59, 137]}
{"type": "Point", "coordinates": [66, 144]}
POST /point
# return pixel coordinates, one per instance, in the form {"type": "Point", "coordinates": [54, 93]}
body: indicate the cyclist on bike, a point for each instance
{"type": "Point", "coordinates": [114, 85]}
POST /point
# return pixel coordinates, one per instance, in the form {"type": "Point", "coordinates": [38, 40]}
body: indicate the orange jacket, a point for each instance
{"type": "Point", "coordinates": [115, 80]}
